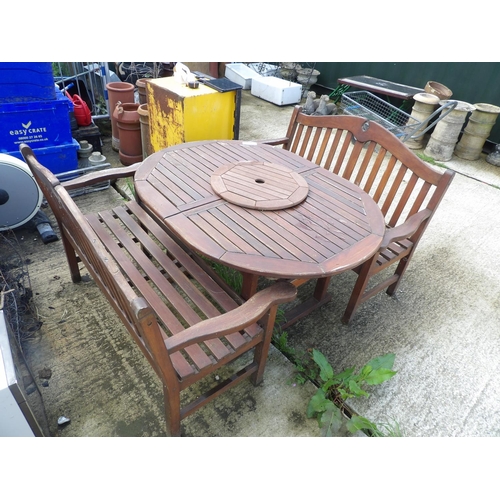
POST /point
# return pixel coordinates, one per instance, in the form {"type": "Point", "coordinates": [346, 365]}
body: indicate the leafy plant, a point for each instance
{"type": "Point", "coordinates": [430, 160]}
{"type": "Point", "coordinates": [327, 405]}
{"type": "Point", "coordinates": [100, 106]}
{"type": "Point", "coordinates": [60, 69]}
{"type": "Point", "coordinates": [384, 429]}
{"type": "Point", "coordinates": [306, 370]}
{"type": "Point", "coordinates": [231, 276]}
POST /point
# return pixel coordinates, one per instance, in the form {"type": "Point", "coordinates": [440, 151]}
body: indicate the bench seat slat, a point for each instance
{"type": "Point", "coordinates": [142, 287]}
{"type": "Point", "coordinates": [226, 302]}
{"type": "Point", "coordinates": [218, 349]}
{"type": "Point", "coordinates": [195, 352]}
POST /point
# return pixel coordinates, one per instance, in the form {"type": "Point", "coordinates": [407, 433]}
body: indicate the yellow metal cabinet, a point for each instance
{"type": "Point", "coordinates": [179, 114]}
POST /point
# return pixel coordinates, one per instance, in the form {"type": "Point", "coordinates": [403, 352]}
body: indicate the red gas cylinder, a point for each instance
{"type": "Point", "coordinates": [82, 111]}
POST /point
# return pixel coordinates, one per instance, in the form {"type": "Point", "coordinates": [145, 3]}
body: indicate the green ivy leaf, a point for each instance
{"type": "Point", "coordinates": [365, 371]}
{"type": "Point", "coordinates": [357, 423]}
{"type": "Point", "coordinates": [344, 376]}
{"type": "Point", "coordinates": [386, 361]}
{"type": "Point", "coordinates": [378, 376]}
{"type": "Point", "coordinates": [326, 371]}
{"type": "Point", "coordinates": [344, 394]}
{"type": "Point", "coordinates": [356, 389]}
{"type": "Point", "coordinates": [331, 421]}
{"type": "Point", "coordinates": [317, 404]}
{"type": "Point", "coordinates": [328, 384]}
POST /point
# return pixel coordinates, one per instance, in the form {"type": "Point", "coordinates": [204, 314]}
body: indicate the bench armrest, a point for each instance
{"type": "Point", "coordinates": [235, 320]}
{"type": "Point", "coordinates": [406, 229]}
{"type": "Point", "coordinates": [108, 174]}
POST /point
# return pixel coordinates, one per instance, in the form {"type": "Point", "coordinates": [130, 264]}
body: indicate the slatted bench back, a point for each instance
{"type": "Point", "coordinates": [368, 155]}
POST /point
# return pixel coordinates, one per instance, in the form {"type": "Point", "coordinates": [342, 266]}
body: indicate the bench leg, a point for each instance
{"type": "Point", "coordinates": [262, 350]}
{"type": "Point", "coordinates": [359, 289]}
{"type": "Point", "coordinates": [172, 402]}
{"type": "Point", "coordinates": [72, 259]}
{"type": "Point", "coordinates": [400, 270]}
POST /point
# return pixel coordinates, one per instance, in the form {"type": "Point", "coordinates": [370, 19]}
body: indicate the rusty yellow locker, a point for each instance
{"type": "Point", "coordinates": [179, 114]}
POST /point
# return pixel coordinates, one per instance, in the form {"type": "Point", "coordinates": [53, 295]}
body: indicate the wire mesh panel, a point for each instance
{"type": "Point", "coordinates": [371, 107]}
{"type": "Point", "coordinates": [88, 80]}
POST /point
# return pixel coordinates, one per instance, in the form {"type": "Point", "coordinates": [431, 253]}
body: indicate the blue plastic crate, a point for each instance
{"type": "Point", "coordinates": [58, 159]}
{"type": "Point", "coordinates": [37, 123]}
{"type": "Point", "coordinates": [26, 81]}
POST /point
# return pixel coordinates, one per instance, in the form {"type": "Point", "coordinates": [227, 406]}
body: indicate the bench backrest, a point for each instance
{"type": "Point", "coordinates": [369, 155]}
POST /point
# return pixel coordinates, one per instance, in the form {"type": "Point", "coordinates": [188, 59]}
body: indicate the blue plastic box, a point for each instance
{"type": "Point", "coordinates": [26, 81]}
{"type": "Point", "coordinates": [58, 159]}
{"type": "Point", "coordinates": [40, 124]}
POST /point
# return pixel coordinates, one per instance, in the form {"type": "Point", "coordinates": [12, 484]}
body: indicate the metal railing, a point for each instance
{"type": "Point", "coordinates": [88, 80]}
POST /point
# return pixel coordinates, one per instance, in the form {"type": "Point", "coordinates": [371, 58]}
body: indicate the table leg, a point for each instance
{"type": "Point", "coordinates": [319, 297]}
{"type": "Point", "coordinates": [249, 287]}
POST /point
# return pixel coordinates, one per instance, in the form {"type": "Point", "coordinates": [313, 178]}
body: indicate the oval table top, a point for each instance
{"type": "Point", "coordinates": [336, 227]}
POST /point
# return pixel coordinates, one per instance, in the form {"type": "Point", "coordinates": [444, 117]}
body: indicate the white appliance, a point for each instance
{"type": "Point", "coordinates": [17, 418]}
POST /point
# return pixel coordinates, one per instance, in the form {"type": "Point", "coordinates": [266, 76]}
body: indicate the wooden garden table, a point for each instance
{"type": "Point", "coordinates": [261, 210]}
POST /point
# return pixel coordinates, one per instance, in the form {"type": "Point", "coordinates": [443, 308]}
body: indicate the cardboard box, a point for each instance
{"type": "Point", "coordinates": [276, 90]}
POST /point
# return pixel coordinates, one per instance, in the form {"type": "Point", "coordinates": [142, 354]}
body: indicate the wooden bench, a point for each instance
{"type": "Point", "coordinates": [184, 321]}
{"type": "Point", "coordinates": [407, 190]}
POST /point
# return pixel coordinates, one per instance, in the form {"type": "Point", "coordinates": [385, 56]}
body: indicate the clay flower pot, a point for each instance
{"type": "Point", "coordinates": [424, 106]}
{"type": "Point", "coordinates": [127, 119]}
{"type": "Point", "coordinates": [123, 92]}
{"type": "Point", "coordinates": [147, 148]}
{"type": "Point", "coordinates": [141, 87]}
{"type": "Point", "coordinates": [436, 88]}
{"type": "Point", "coordinates": [442, 141]}
{"type": "Point", "coordinates": [477, 130]}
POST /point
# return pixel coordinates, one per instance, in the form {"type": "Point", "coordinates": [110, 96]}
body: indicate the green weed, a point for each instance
{"type": "Point", "coordinates": [430, 160]}
{"type": "Point", "coordinates": [328, 404]}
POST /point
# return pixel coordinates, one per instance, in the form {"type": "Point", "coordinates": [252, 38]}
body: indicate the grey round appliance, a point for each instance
{"type": "Point", "coordinates": [20, 196]}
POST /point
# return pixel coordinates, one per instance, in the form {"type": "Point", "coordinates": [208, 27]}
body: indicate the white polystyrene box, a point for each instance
{"type": "Point", "coordinates": [241, 74]}
{"type": "Point", "coordinates": [276, 90]}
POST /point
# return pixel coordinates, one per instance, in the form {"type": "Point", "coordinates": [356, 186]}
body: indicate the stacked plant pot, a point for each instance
{"type": "Point", "coordinates": [129, 131]}
{"type": "Point", "coordinates": [122, 92]}
{"type": "Point", "coordinates": [442, 141]}
{"type": "Point", "coordinates": [477, 130]}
